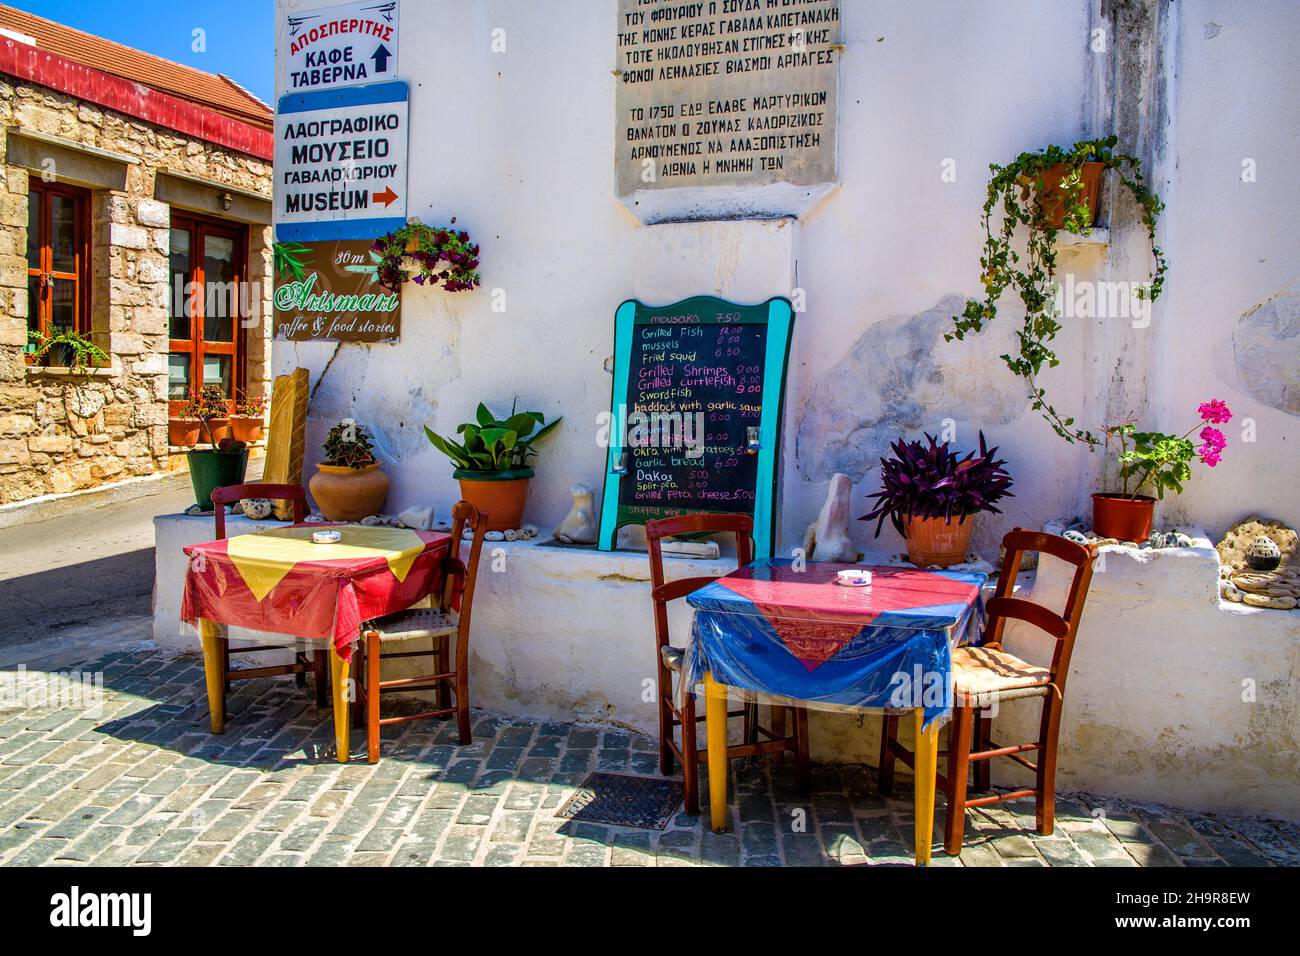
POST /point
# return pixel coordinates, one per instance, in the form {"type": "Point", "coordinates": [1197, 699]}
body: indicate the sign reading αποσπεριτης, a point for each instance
{"type": "Point", "coordinates": [340, 163]}
{"type": "Point", "coordinates": [347, 45]}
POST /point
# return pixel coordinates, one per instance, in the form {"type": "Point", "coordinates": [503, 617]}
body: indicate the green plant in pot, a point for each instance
{"type": "Point", "coordinates": [225, 460]}
{"type": "Point", "coordinates": [67, 350]}
{"type": "Point", "coordinates": [348, 484]}
{"type": "Point", "coordinates": [931, 497]}
{"type": "Point", "coordinates": [1154, 462]}
{"type": "Point", "coordinates": [1046, 192]}
{"type": "Point", "coordinates": [491, 461]}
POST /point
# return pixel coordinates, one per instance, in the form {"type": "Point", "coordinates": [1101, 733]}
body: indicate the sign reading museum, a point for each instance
{"type": "Point", "coordinates": [726, 92]}
{"type": "Point", "coordinates": [340, 163]}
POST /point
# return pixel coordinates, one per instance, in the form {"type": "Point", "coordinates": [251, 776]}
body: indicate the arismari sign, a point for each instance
{"type": "Point", "coordinates": [329, 291]}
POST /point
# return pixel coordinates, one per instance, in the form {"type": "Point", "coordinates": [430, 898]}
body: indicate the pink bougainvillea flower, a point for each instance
{"type": "Point", "coordinates": [1215, 412]}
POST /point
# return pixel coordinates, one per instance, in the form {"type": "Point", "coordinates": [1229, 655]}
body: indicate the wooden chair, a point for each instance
{"type": "Point", "coordinates": [988, 674]}
{"type": "Point", "coordinates": [318, 664]}
{"type": "Point", "coordinates": [449, 618]}
{"type": "Point", "coordinates": [669, 661]}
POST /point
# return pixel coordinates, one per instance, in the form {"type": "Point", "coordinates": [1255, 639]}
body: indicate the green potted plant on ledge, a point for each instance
{"type": "Point", "coordinates": [492, 462]}
{"type": "Point", "coordinates": [225, 460]}
{"type": "Point", "coordinates": [348, 484]}
{"type": "Point", "coordinates": [931, 496]}
{"type": "Point", "coordinates": [1158, 462]}
{"type": "Point", "coordinates": [69, 350]}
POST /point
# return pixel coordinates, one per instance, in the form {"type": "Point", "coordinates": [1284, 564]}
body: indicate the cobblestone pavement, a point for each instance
{"type": "Point", "coordinates": [145, 783]}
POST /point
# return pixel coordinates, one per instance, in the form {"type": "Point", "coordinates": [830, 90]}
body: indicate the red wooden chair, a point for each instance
{"type": "Point", "coordinates": [669, 661]}
{"type": "Point", "coordinates": [987, 674]}
{"type": "Point", "coordinates": [319, 662]}
{"type": "Point", "coordinates": [448, 619]}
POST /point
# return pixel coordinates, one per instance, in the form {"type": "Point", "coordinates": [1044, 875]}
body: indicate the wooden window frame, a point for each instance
{"type": "Point", "coordinates": [196, 346]}
{"type": "Point", "coordinates": [39, 192]}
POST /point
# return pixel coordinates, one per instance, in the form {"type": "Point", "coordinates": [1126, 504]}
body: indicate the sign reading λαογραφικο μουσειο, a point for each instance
{"type": "Point", "coordinates": [340, 163]}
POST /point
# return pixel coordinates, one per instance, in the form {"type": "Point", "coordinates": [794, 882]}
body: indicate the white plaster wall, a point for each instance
{"type": "Point", "coordinates": [1233, 246]}
{"type": "Point", "coordinates": [519, 146]}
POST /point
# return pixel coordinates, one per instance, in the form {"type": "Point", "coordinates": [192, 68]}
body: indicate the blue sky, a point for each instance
{"type": "Point", "coordinates": [240, 34]}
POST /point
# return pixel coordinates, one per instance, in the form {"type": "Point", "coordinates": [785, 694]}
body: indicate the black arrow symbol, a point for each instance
{"type": "Point", "coordinates": [380, 57]}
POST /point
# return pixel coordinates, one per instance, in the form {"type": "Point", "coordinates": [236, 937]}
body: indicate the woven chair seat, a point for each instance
{"type": "Point", "coordinates": [985, 674]}
{"type": "Point", "coordinates": [413, 624]}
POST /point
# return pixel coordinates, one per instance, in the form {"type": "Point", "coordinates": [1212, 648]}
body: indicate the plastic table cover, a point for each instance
{"type": "Point", "coordinates": [280, 581]}
{"type": "Point", "coordinates": [776, 633]}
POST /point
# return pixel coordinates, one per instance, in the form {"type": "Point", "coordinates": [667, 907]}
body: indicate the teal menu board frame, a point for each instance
{"type": "Point", "coordinates": [696, 407]}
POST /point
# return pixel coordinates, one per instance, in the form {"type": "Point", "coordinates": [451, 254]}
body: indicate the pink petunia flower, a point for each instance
{"type": "Point", "coordinates": [1215, 412]}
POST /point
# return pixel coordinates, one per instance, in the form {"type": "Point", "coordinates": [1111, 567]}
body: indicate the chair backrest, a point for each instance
{"type": "Point", "coordinates": [1064, 627]}
{"type": "Point", "coordinates": [459, 576]}
{"type": "Point", "coordinates": [232, 493]}
{"type": "Point", "coordinates": [661, 591]}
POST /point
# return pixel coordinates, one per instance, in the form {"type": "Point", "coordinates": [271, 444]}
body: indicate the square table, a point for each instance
{"type": "Point", "coordinates": [280, 581]}
{"type": "Point", "coordinates": [782, 631]}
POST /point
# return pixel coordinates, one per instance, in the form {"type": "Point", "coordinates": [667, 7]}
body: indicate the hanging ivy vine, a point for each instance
{"type": "Point", "coordinates": [1018, 191]}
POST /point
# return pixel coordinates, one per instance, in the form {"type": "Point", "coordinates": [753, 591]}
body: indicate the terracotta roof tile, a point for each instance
{"type": "Point", "coordinates": [212, 90]}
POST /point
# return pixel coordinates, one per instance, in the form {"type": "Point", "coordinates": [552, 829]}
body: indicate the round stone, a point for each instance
{"type": "Point", "coordinates": [1263, 554]}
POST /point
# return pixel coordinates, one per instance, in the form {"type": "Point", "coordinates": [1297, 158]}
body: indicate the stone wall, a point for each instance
{"type": "Point", "coordinates": [61, 432]}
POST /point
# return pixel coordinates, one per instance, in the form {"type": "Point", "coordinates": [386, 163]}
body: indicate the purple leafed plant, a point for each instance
{"type": "Point", "coordinates": [930, 481]}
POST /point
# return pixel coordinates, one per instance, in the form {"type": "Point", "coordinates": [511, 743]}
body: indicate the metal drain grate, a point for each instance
{"type": "Point", "coordinates": [624, 801]}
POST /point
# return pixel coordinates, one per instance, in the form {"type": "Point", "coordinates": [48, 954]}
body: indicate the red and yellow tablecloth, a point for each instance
{"type": "Point", "coordinates": [282, 582]}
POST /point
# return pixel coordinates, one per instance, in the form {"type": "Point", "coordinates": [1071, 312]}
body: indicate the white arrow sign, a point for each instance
{"type": "Point", "coordinates": [347, 45]}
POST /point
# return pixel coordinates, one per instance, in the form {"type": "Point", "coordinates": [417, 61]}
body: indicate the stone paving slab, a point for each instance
{"type": "Point", "coordinates": [142, 781]}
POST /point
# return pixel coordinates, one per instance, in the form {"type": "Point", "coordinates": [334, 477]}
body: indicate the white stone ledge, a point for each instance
{"type": "Point", "coordinates": [1097, 236]}
{"type": "Point", "coordinates": [64, 373]}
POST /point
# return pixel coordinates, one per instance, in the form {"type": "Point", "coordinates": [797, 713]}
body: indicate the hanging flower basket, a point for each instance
{"type": "Point", "coordinates": [443, 255]}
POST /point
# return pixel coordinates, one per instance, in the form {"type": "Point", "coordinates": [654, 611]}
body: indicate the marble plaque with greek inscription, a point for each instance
{"type": "Point", "coordinates": [726, 93]}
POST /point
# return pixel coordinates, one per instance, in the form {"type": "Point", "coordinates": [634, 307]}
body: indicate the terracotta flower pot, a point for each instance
{"type": "Point", "coordinates": [937, 541]}
{"type": "Point", "coordinates": [349, 494]}
{"type": "Point", "coordinates": [246, 428]}
{"type": "Point", "coordinates": [1054, 199]}
{"type": "Point", "coordinates": [501, 495]}
{"type": "Point", "coordinates": [219, 427]}
{"type": "Point", "coordinates": [1117, 516]}
{"type": "Point", "coordinates": [183, 432]}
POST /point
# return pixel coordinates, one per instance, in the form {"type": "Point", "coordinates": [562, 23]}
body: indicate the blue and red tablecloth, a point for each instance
{"type": "Point", "coordinates": [781, 630]}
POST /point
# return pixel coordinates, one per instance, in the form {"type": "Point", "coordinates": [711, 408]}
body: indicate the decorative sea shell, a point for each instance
{"type": "Point", "coordinates": [257, 509]}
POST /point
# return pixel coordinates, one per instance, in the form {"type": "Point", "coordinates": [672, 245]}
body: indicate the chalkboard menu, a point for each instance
{"type": "Point", "coordinates": [695, 414]}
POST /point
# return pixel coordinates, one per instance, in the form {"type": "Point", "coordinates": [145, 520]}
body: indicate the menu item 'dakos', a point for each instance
{"type": "Point", "coordinates": [694, 429]}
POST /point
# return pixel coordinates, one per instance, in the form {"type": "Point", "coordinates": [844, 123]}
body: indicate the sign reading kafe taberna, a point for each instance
{"type": "Point", "coordinates": [330, 291]}
{"type": "Point", "coordinates": [348, 45]}
{"type": "Point", "coordinates": [340, 163]}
